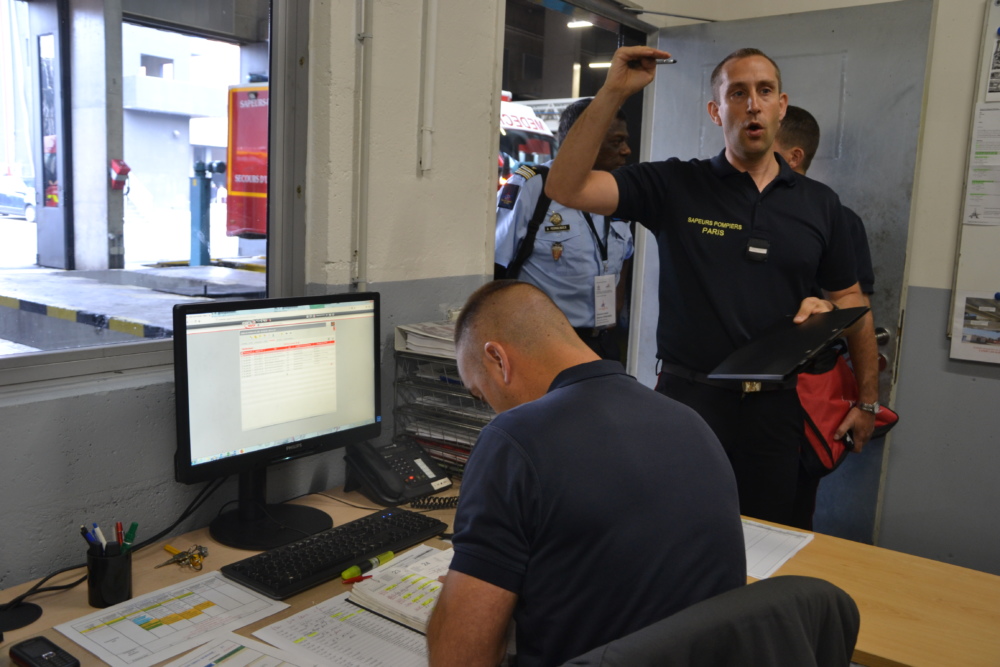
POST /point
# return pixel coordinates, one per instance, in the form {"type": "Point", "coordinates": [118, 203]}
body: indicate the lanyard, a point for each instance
{"type": "Point", "coordinates": [602, 247]}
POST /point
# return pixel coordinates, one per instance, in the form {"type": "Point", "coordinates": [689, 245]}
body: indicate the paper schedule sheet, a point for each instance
{"type": "Point", "coordinates": [233, 650]}
{"type": "Point", "coordinates": [340, 634]}
{"type": "Point", "coordinates": [770, 547]}
{"type": "Point", "coordinates": [153, 627]}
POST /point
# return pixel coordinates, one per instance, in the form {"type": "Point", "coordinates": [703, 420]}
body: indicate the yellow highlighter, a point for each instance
{"type": "Point", "coordinates": [365, 565]}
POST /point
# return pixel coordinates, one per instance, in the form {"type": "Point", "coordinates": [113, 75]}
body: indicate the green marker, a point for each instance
{"type": "Point", "coordinates": [129, 537]}
{"type": "Point", "coordinates": [364, 566]}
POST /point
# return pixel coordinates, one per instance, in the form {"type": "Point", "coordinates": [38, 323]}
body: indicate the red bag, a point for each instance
{"type": "Point", "coordinates": [827, 394]}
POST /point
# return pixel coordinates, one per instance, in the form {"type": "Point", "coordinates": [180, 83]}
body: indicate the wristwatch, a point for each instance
{"type": "Point", "coordinates": [868, 407]}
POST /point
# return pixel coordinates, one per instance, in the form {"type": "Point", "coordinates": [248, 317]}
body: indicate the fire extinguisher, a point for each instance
{"type": "Point", "coordinates": [119, 174]}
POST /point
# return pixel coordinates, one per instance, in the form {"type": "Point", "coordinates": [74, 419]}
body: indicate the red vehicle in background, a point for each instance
{"type": "Point", "coordinates": [524, 139]}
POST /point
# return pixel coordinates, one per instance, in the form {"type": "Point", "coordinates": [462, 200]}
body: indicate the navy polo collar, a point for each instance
{"type": "Point", "coordinates": [722, 168]}
{"type": "Point", "coordinates": [587, 371]}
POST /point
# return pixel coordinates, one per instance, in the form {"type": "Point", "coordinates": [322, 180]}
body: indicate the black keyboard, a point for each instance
{"type": "Point", "coordinates": [298, 566]}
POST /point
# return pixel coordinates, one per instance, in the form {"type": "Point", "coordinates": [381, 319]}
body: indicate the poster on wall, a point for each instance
{"type": "Point", "coordinates": [993, 84]}
{"type": "Point", "coordinates": [982, 194]}
{"type": "Point", "coordinates": [975, 329]}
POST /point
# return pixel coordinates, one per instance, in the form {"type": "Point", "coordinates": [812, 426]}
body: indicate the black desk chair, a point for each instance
{"type": "Point", "coordinates": [781, 622]}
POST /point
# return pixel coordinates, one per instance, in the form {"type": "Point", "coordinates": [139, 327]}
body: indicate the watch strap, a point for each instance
{"type": "Point", "coordinates": [869, 407]}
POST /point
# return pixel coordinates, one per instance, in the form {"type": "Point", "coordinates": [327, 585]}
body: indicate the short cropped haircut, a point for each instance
{"type": "Point", "coordinates": [570, 115]}
{"type": "Point", "coordinates": [739, 54]}
{"type": "Point", "coordinates": [477, 300]}
{"type": "Point", "coordinates": [799, 128]}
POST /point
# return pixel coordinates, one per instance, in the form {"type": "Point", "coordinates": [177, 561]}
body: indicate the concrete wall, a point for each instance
{"type": "Point", "coordinates": [158, 150]}
{"type": "Point", "coordinates": [100, 449]}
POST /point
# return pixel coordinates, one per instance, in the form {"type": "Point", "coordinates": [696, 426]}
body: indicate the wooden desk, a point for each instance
{"type": "Point", "coordinates": [914, 611]}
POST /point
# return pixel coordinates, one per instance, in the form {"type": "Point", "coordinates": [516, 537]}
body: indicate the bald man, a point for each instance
{"type": "Point", "coordinates": [591, 506]}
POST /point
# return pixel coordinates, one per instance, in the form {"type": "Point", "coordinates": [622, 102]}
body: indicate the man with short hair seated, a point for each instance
{"type": "Point", "coordinates": [591, 506]}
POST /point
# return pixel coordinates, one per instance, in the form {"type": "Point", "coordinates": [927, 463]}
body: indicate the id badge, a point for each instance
{"type": "Point", "coordinates": [604, 301]}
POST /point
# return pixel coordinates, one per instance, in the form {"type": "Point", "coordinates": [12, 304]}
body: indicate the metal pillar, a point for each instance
{"type": "Point", "coordinates": [201, 194]}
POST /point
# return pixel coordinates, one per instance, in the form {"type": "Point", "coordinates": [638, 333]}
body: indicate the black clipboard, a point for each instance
{"type": "Point", "coordinates": [787, 348]}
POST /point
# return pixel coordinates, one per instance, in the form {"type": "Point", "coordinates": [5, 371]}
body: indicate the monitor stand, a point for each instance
{"type": "Point", "coordinates": [258, 526]}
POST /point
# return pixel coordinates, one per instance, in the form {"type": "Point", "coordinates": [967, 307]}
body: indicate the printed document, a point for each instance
{"type": "Point", "coordinates": [770, 547]}
{"type": "Point", "coordinates": [151, 628]}
{"type": "Point", "coordinates": [336, 633]}
{"type": "Point", "coordinates": [236, 651]}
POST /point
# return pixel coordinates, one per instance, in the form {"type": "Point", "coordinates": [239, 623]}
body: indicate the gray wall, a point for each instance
{"type": "Point", "coordinates": [941, 496]}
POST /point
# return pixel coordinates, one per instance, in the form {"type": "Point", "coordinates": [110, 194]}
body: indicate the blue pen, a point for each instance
{"type": "Point", "coordinates": [86, 535]}
{"type": "Point", "coordinates": [100, 537]}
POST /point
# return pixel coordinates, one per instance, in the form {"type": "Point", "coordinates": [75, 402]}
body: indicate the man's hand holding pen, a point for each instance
{"type": "Point", "coordinates": [633, 68]}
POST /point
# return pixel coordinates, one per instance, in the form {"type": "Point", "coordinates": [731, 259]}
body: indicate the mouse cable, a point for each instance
{"type": "Point", "coordinates": [199, 500]}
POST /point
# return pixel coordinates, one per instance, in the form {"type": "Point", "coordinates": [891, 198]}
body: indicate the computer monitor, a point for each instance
{"type": "Point", "coordinates": [263, 381]}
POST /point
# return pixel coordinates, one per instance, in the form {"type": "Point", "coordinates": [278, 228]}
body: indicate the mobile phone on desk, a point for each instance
{"type": "Point", "coordinates": [41, 652]}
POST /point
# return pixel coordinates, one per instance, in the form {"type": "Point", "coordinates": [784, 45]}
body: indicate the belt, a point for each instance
{"type": "Point", "coordinates": [742, 386]}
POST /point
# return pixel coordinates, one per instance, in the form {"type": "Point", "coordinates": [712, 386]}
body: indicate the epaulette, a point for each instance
{"type": "Point", "coordinates": [526, 171]}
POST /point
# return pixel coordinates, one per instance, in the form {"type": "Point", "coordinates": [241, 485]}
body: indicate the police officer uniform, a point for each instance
{"type": "Point", "coordinates": [569, 251]}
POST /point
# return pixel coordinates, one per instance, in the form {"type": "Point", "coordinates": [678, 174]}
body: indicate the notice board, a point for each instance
{"type": "Point", "coordinates": [975, 320]}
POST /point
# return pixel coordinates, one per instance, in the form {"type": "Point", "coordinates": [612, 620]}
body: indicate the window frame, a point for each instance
{"type": "Point", "coordinates": [286, 214]}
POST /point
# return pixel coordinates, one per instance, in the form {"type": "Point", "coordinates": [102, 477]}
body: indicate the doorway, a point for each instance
{"type": "Point", "coordinates": [860, 71]}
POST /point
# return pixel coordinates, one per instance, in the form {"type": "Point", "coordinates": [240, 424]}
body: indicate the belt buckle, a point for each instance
{"type": "Point", "coordinates": [751, 386]}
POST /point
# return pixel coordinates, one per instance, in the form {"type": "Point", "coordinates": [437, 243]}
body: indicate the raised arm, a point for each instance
{"type": "Point", "coordinates": [572, 180]}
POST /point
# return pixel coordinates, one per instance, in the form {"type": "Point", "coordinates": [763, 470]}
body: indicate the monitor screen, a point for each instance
{"type": "Point", "coordinates": [262, 381]}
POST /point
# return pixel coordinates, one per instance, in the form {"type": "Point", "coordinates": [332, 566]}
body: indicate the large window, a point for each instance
{"type": "Point", "coordinates": [100, 241]}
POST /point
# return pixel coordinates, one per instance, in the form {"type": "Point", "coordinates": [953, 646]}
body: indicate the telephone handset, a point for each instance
{"type": "Point", "coordinates": [393, 474]}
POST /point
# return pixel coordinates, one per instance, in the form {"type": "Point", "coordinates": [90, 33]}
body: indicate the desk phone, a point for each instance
{"type": "Point", "coordinates": [393, 474]}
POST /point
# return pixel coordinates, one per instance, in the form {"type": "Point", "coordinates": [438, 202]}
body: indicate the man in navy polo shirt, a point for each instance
{"type": "Point", "coordinates": [591, 506]}
{"type": "Point", "coordinates": [796, 141]}
{"type": "Point", "coordinates": [742, 242]}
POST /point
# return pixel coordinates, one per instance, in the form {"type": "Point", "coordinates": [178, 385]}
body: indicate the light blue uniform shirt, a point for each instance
{"type": "Point", "coordinates": [568, 280]}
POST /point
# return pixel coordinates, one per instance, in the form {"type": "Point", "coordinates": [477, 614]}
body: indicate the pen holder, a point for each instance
{"type": "Point", "coordinates": [109, 579]}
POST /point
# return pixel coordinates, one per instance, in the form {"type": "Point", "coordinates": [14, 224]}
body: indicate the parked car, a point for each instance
{"type": "Point", "coordinates": [17, 198]}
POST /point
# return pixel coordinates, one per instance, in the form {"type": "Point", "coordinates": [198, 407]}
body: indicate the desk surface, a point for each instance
{"type": "Point", "coordinates": [914, 611]}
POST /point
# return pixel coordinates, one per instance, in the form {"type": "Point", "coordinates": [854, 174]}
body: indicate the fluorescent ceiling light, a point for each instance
{"type": "Point", "coordinates": [579, 24]}
{"type": "Point", "coordinates": [600, 65]}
